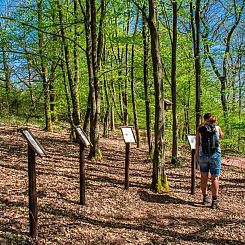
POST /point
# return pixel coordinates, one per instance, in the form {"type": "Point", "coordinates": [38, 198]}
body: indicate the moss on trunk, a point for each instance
{"type": "Point", "coordinates": [162, 183]}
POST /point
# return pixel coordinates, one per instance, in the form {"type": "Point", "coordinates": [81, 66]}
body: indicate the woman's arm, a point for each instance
{"type": "Point", "coordinates": [221, 134]}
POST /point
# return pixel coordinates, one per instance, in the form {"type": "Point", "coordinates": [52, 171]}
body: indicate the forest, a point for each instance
{"type": "Point", "coordinates": [156, 66]}
{"type": "Point", "coordinates": [110, 63]}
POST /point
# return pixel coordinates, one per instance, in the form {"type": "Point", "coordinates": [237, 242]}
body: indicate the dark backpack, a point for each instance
{"type": "Point", "coordinates": [210, 141]}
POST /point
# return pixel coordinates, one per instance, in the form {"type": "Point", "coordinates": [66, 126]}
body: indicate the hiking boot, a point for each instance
{"type": "Point", "coordinates": [205, 200]}
{"type": "Point", "coordinates": [214, 204]}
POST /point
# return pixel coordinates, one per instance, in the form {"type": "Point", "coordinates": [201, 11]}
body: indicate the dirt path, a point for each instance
{"type": "Point", "coordinates": [111, 214]}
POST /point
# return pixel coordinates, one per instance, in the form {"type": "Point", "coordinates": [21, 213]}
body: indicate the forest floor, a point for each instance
{"type": "Point", "coordinates": [113, 215]}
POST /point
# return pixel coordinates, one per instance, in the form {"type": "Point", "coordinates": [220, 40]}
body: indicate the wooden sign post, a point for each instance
{"type": "Point", "coordinates": [34, 147]}
{"type": "Point", "coordinates": [128, 136]}
{"type": "Point", "coordinates": [192, 142]}
{"type": "Point", "coordinates": [84, 142]}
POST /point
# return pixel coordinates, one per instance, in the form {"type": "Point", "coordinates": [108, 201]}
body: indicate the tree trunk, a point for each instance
{"type": "Point", "coordinates": [76, 56]}
{"type": "Point", "coordinates": [87, 114]}
{"type": "Point", "coordinates": [107, 105]}
{"type": "Point", "coordinates": [6, 69]}
{"type": "Point", "coordinates": [196, 43]}
{"type": "Point", "coordinates": [125, 87]}
{"type": "Point", "coordinates": [120, 89]}
{"type": "Point", "coordinates": [6, 73]}
{"type": "Point", "coordinates": [159, 182]}
{"type": "Point", "coordinates": [113, 106]}
{"type": "Point", "coordinates": [107, 111]}
{"type": "Point", "coordinates": [146, 84]}
{"type": "Point", "coordinates": [52, 92]}
{"type": "Point", "coordinates": [173, 87]}
{"type": "Point", "coordinates": [240, 98]}
{"type": "Point", "coordinates": [93, 52]}
{"type": "Point", "coordinates": [186, 110]}
{"type": "Point", "coordinates": [95, 108]}
{"type": "Point", "coordinates": [54, 64]}
{"type": "Point", "coordinates": [72, 84]}
{"type": "Point", "coordinates": [136, 126]}
{"type": "Point", "coordinates": [68, 101]}
{"type": "Point", "coordinates": [44, 69]}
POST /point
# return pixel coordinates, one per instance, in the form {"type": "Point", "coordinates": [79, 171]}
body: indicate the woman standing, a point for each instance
{"type": "Point", "coordinates": [208, 154]}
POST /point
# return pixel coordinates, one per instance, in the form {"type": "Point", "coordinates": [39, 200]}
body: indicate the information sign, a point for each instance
{"type": "Point", "coordinates": [192, 141]}
{"type": "Point", "coordinates": [128, 134]}
{"type": "Point", "coordinates": [33, 142]}
{"type": "Point", "coordinates": [83, 137]}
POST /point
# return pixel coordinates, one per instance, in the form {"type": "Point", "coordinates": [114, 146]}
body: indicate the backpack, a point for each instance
{"type": "Point", "coordinates": [210, 141]}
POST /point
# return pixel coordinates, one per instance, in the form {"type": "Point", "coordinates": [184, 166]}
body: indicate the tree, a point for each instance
{"type": "Point", "coordinates": [158, 176]}
{"type": "Point", "coordinates": [136, 126]}
{"type": "Point", "coordinates": [6, 68]}
{"type": "Point", "coordinates": [173, 85]}
{"type": "Point", "coordinates": [94, 53]}
{"type": "Point", "coordinates": [225, 24]}
{"type": "Point", "coordinates": [195, 27]}
{"type": "Point", "coordinates": [146, 81]}
{"type": "Point", "coordinates": [44, 68]}
{"type": "Point", "coordinates": [73, 85]}
{"type": "Point", "coordinates": [159, 179]}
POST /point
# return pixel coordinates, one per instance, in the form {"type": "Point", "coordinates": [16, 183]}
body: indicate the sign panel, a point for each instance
{"type": "Point", "coordinates": [192, 141]}
{"type": "Point", "coordinates": [128, 134]}
{"type": "Point", "coordinates": [33, 142]}
{"type": "Point", "coordinates": [83, 137]}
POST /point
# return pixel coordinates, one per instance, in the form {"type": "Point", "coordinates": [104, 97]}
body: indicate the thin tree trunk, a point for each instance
{"type": "Point", "coordinates": [54, 64]}
{"type": "Point", "coordinates": [120, 85]}
{"type": "Point", "coordinates": [240, 87]}
{"type": "Point", "coordinates": [29, 82]}
{"type": "Point", "coordinates": [108, 109]}
{"type": "Point", "coordinates": [72, 84]}
{"type": "Point", "coordinates": [6, 70]}
{"type": "Point", "coordinates": [52, 92]}
{"type": "Point", "coordinates": [87, 114]}
{"type": "Point", "coordinates": [112, 96]}
{"type": "Point", "coordinates": [106, 100]}
{"type": "Point", "coordinates": [173, 86]}
{"type": "Point", "coordinates": [76, 56]}
{"type": "Point", "coordinates": [68, 101]}
{"type": "Point", "coordinates": [44, 69]}
{"type": "Point", "coordinates": [136, 126]}
{"type": "Point", "coordinates": [146, 84]}
{"type": "Point", "coordinates": [186, 110]}
{"type": "Point", "coordinates": [125, 87]}
{"type": "Point", "coordinates": [196, 43]}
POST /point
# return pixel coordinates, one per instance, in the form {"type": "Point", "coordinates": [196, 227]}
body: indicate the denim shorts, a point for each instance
{"type": "Point", "coordinates": [210, 164]}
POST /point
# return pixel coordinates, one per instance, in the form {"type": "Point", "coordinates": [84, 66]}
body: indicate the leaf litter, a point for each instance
{"type": "Point", "coordinates": [112, 215]}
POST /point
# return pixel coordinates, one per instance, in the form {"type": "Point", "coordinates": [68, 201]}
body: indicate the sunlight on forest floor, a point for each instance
{"type": "Point", "coordinates": [111, 214]}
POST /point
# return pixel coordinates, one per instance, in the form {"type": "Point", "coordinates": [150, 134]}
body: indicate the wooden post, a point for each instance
{"type": "Point", "coordinates": [127, 166]}
{"type": "Point", "coordinates": [32, 192]}
{"type": "Point", "coordinates": [34, 147]}
{"type": "Point", "coordinates": [82, 174]}
{"type": "Point", "coordinates": [84, 142]}
{"type": "Point", "coordinates": [193, 172]}
{"type": "Point", "coordinates": [128, 136]}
